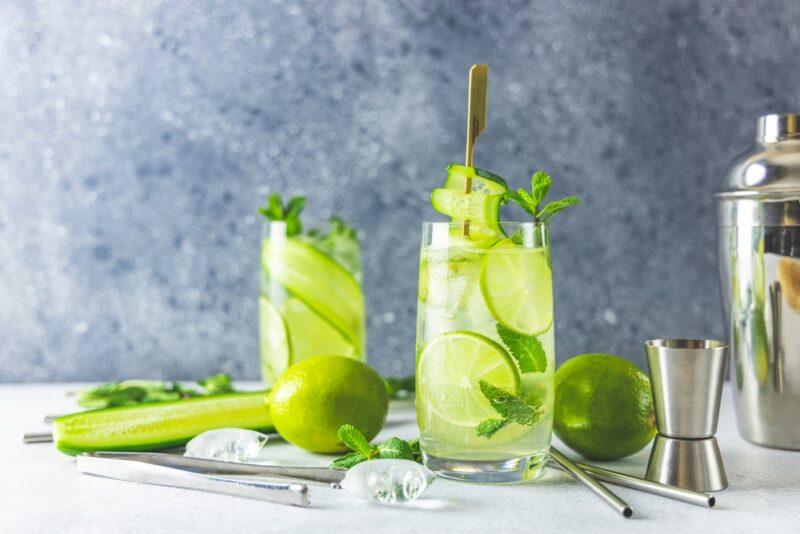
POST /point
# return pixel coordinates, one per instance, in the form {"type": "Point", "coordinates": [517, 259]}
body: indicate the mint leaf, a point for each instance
{"type": "Point", "coordinates": [550, 210]}
{"type": "Point", "coordinates": [540, 186]}
{"type": "Point", "coordinates": [355, 440]}
{"type": "Point", "coordinates": [290, 213]}
{"type": "Point", "coordinates": [510, 407]}
{"type": "Point", "coordinates": [527, 350]}
{"type": "Point", "coordinates": [395, 448]}
{"type": "Point", "coordinates": [519, 199]}
{"type": "Point", "coordinates": [414, 445]}
{"type": "Point", "coordinates": [490, 426]}
{"type": "Point", "coordinates": [217, 384]}
{"type": "Point", "coordinates": [348, 460]}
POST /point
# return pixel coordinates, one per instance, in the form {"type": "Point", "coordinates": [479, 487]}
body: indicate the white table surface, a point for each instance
{"type": "Point", "coordinates": [41, 491]}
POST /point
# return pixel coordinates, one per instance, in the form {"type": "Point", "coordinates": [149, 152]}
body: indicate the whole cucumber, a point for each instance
{"type": "Point", "coordinates": [159, 425]}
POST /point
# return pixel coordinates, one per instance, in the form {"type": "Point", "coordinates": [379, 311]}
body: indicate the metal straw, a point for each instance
{"type": "Point", "coordinates": [629, 481]}
{"type": "Point", "coordinates": [600, 490]}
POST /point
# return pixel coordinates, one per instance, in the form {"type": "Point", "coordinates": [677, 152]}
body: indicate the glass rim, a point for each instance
{"type": "Point", "coordinates": [518, 224]}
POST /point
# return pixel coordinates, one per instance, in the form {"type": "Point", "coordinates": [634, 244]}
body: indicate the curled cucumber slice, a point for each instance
{"type": "Point", "coordinates": [481, 210]}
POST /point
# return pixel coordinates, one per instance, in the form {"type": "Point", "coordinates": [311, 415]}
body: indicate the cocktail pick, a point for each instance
{"type": "Point", "coordinates": [476, 119]}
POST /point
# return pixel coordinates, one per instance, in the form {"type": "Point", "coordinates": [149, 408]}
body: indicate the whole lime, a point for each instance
{"type": "Point", "coordinates": [312, 399]}
{"type": "Point", "coordinates": [603, 406]}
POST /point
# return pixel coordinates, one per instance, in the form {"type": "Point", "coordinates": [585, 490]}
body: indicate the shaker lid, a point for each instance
{"type": "Point", "coordinates": [771, 169]}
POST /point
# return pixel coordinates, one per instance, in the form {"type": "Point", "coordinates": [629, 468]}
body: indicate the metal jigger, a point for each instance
{"type": "Point", "coordinates": [687, 376]}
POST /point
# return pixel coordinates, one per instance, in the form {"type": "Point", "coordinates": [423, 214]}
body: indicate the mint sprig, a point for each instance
{"type": "Point", "coordinates": [276, 210]}
{"type": "Point", "coordinates": [530, 201]}
{"type": "Point", "coordinates": [511, 408]}
{"type": "Point", "coordinates": [133, 392]}
{"type": "Point", "coordinates": [526, 349]}
{"type": "Point", "coordinates": [392, 448]}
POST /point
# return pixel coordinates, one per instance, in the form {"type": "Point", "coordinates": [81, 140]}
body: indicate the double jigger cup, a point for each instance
{"type": "Point", "coordinates": [687, 376]}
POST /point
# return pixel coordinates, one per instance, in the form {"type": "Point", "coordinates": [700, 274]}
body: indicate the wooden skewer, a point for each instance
{"type": "Point", "coordinates": [476, 119]}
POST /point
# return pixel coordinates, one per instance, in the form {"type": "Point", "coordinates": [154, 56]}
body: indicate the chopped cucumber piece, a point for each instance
{"type": "Point", "coordinates": [482, 181]}
{"type": "Point", "coordinates": [482, 210]}
{"type": "Point", "coordinates": [159, 425]}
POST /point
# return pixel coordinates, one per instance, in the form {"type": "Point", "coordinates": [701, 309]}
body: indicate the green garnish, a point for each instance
{"type": "Point", "coordinates": [530, 201]}
{"type": "Point", "coordinates": [526, 349]}
{"type": "Point", "coordinates": [340, 242]}
{"type": "Point", "coordinates": [133, 392]}
{"type": "Point", "coordinates": [276, 210]}
{"type": "Point", "coordinates": [392, 448]}
{"type": "Point", "coordinates": [217, 384]}
{"type": "Point", "coordinates": [511, 408]}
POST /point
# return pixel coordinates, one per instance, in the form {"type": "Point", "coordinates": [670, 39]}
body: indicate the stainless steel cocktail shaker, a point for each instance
{"type": "Point", "coordinates": [759, 258]}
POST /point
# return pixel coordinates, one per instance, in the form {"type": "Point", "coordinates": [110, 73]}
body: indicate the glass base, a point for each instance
{"type": "Point", "coordinates": [524, 469]}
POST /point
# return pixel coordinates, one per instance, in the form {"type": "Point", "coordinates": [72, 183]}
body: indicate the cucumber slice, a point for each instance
{"type": "Point", "coordinates": [312, 335]}
{"type": "Point", "coordinates": [159, 425]}
{"type": "Point", "coordinates": [482, 210]}
{"type": "Point", "coordinates": [319, 281]}
{"type": "Point", "coordinates": [276, 352]}
{"type": "Point", "coordinates": [482, 181]}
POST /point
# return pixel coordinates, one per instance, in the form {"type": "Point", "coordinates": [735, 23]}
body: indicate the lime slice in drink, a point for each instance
{"type": "Point", "coordinates": [517, 286]}
{"type": "Point", "coordinates": [320, 282]}
{"type": "Point", "coordinates": [274, 341]}
{"type": "Point", "coordinates": [448, 374]}
{"type": "Point", "coordinates": [311, 335]}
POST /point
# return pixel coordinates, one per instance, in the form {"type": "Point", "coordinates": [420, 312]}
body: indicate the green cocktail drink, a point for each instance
{"type": "Point", "coordinates": [311, 301]}
{"type": "Point", "coordinates": [484, 337]}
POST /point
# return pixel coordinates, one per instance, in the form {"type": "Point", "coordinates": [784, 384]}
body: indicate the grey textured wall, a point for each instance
{"type": "Point", "coordinates": [137, 139]}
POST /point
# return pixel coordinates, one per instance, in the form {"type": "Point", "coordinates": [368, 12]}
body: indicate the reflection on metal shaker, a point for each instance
{"type": "Point", "coordinates": [758, 216]}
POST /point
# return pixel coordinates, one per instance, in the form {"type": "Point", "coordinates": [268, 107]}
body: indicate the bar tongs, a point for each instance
{"type": "Point", "coordinates": [208, 475]}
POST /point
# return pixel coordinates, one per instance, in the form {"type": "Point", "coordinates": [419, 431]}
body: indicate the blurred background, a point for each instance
{"type": "Point", "coordinates": [138, 138]}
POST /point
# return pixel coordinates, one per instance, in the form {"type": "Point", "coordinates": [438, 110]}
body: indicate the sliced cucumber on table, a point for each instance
{"type": "Point", "coordinates": [159, 425]}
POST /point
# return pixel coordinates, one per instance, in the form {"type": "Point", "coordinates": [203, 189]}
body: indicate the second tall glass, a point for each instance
{"type": "Point", "coordinates": [485, 352]}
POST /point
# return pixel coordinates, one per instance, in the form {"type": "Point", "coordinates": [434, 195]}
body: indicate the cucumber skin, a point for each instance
{"type": "Point", "coordinates": [353, 329]}
{"type": "Point", "coordinates": [457, 173]}
{"type": "Point", "coordinates": [108, 442]}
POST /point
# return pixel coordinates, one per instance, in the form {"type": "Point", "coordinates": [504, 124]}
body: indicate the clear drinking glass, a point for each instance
{"type": "Point", "coordinates": [485, 331]}
{"type": "Point", "coordinates": [311, 301]}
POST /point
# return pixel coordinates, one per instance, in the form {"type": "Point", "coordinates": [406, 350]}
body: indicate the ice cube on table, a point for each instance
{"type": "Point", "coordinates": [227, 444]}
{"type": "Point", "coordinates": [387, 481]}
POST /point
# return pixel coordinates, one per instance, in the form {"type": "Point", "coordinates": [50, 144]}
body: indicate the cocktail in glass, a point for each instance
{"type": "Point", "coordinates": [311, 301]}
{"type": "Point", "coordinates": [485, 351]}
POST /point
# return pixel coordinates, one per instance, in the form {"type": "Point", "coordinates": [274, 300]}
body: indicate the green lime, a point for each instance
{"type": "Point", "coordinates": [274, 341]}
{"type": "Point", "coordinates": [450, 368]}
{"type": "Point", "coordinates": [517, 285]}
{"type": "Point", "coordinates": [311, 400]}
{"type": "Point", "coordinates": [603, 406]}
